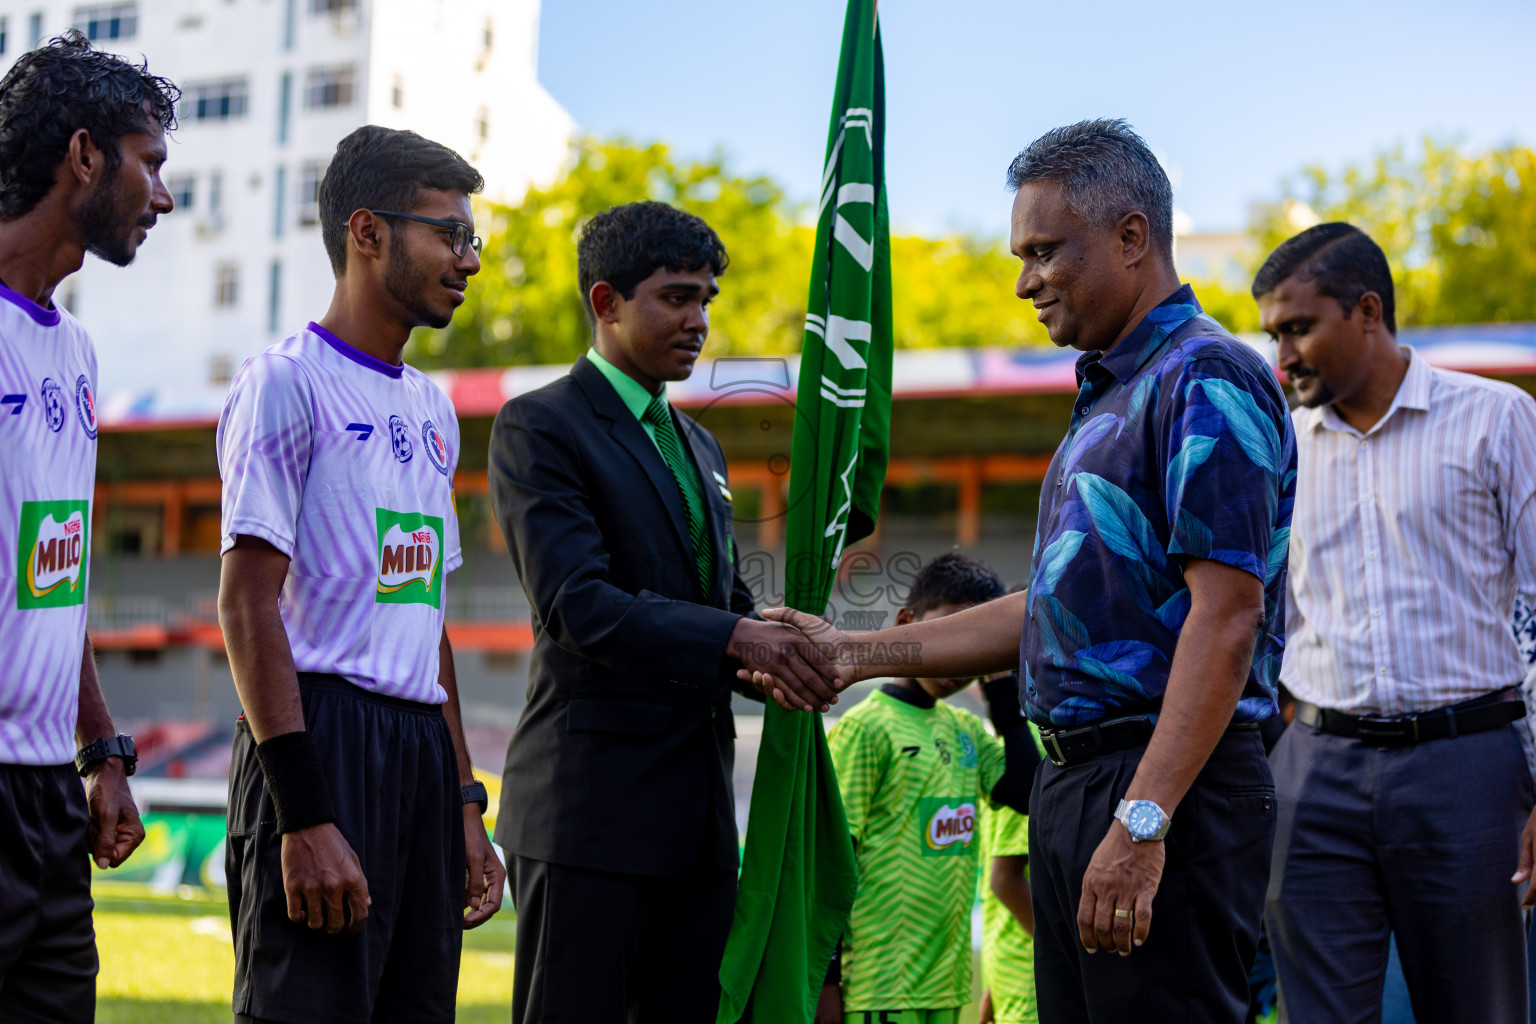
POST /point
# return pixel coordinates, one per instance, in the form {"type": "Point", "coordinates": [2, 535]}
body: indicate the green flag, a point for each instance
{"type": "Point", "coordinates": [798, 877]}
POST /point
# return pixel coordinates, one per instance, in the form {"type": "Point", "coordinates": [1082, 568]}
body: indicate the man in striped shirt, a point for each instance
{"type": "Point", "coordinates": [1402, 785]}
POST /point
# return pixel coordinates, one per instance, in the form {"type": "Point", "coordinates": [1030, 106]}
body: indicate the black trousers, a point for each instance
{"type": "Point", "coordinates": [1193, 968]}
{"type": "Point", "coordinates": [594, 947]}
{"type": "Point", "coordinates": [1415, 841]}
{"type": "Point", "coordinates": [394, 783]}
{"type": "Point", "coordinates": [47, 942]}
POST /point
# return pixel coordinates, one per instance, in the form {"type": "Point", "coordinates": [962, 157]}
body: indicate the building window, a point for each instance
{"type": "Point", "coordinates": [221, 368]}
{"type": "Point", "coordinates": [396, 94]}
{"type": "Point", "coordinates": [487, 37]}
{"type": "Point", "coordinates": [285, 101]}
{"type": "Point", "coordinates": [310, 176]}
{"type": "Point", "coordinates": [215, 101]}
{"type": "Point", "coordinates": [275, 298]}
{"type": "Point", "coordinates": [226, 285]}
{"type": "Point", "coordinates": [483, 123]}
{"type": "Point", "coordinates": [279, 197]}
{"type": "Point", "coordinates": [330, 87]}
{"type": "Point", "coordinates": [4, 25]}
{"type": "Point", "coordinates": [182, 191]}
{"type": "Point", "coordinates": [35, 29]}
{"type": "Point", "coordinates": [106, 22]}
{"type": "Point", "coordinates": [331, 6]}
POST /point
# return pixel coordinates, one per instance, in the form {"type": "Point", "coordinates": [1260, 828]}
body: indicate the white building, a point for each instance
{"type": "Point", "coordinates": [270, 87]}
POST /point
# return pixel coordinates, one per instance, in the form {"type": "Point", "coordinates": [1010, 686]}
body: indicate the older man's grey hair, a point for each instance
{"type": "Point", "coordinates": [1105, 171]}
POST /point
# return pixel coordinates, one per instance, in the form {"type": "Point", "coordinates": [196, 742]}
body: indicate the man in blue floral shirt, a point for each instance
{"type": "Point", "coordinates": [1152, 631]}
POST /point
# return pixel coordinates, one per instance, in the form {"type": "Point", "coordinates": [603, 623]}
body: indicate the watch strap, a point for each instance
{"type": "Point", "coordinates": [1122, 813]}
{"type": "Point", "coordinates": [475, 793]}
{"type": "Point", "coordinates": [121, 745]}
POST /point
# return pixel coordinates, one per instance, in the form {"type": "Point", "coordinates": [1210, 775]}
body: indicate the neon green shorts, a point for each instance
{"type": "Point", "coordinates": [950, 1016]}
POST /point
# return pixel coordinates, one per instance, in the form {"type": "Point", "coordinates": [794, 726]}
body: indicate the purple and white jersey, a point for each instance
{"type": "Point", "coordinates": [345, 464]}
{"type": "Point", "coordinates": [47, 482]}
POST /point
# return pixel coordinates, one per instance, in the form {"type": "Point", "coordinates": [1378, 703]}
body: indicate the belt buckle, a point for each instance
{"type": "Point", "coordinates": [1053, 747]}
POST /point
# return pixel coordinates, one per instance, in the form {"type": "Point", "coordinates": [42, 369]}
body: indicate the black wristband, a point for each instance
{"type": "Point", "coordinates": [294, 781]}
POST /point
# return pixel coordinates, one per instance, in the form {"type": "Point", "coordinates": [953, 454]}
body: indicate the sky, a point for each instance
{"type": "Point", "coordinates": [1232, 97]}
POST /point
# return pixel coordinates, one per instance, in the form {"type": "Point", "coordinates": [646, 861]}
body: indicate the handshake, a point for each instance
{"type": "Point", "coordinates": [799, 661]}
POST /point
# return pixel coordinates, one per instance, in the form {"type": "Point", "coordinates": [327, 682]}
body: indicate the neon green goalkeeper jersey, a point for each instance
{"type": "Point", "coordinates": [912, 779]}
{"type": "Point", "coordinates": [1007, 951]}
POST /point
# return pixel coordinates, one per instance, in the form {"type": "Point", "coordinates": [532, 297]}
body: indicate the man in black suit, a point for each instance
{"type": "Point", "coordinates": [617, 805]}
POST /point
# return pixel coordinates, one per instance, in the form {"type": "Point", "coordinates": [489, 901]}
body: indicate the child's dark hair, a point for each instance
{"type": "Point", "coordinates": [952, 579]}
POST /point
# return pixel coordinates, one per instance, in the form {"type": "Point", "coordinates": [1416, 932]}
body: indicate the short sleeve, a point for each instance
{"type": "Point", "coordinates": [454, 546]}
{"type": "Point", "coordinates": [265, 437]}
{"type": "Point", "coordinates": [1231, 464]}
{"type": "Point", "coordinates": [1007, 833]}
{"type": "Point", "coordinates": [857, 757]}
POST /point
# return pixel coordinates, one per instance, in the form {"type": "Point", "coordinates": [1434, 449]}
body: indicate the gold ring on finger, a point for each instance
{"type": "Point", "coordinates": [1121, 912]}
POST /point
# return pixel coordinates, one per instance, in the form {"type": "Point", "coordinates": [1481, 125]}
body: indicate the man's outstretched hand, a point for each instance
{"type": "Point", "coordinates": [829, 644]}
{"type": "Point", "coordinates": [782, 663]}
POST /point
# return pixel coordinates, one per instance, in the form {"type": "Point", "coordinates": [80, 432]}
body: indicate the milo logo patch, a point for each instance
{"type": "Point", "coordinates": [51, 553]}
{"type": "Point", "coordinates": [410, 558]}
{"type": "Point", "coordinates": [949, 826]}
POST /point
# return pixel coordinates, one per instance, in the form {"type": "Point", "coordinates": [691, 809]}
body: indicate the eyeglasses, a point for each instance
{"type": "Point", "coordinates": [462, 236]}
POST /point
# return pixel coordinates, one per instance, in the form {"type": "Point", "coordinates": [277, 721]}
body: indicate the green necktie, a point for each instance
{"type": "Point", "coordinates": [659, 415]}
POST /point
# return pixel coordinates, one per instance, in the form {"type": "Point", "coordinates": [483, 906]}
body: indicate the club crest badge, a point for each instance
{"type": "Point", "coordinates": [53, 404]}
{"type": "Point", "coordinates": [400, 439]}
{"type": "Point", "coordinates": [436, 447]}
{"type": "Point", "coordinates": [85, 406]}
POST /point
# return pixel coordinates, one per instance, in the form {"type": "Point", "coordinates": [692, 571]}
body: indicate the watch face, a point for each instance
{"type": "Point", "coordinates": [1143, 819]}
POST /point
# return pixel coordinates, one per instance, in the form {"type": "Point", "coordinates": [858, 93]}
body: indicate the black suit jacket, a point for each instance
{"type": "Point", "coordinates": [622, 760]}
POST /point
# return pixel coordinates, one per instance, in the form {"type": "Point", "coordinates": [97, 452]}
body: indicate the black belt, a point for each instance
{"type": "Point", "coordinates": [1107, 736]}
{"type": "Point", "coordinates": [1477, 715]}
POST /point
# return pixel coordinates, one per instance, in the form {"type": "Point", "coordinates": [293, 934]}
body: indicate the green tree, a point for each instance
{"type": "Point", "coordinates": [525, 306]}
{"type": "Point", "coordinates": [1457, 229]}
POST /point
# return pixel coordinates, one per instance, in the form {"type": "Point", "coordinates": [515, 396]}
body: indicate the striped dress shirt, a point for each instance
{"type": "Point", "coordinates": [1409, 543]}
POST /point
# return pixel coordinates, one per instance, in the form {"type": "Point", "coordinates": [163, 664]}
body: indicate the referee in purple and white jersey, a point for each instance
{"type": "Point", "coordinates": [1403, 788]}
{"type": "Point", "coordinates": [355, 834]}
{"type": "Point", "coordinates": [82, 139]}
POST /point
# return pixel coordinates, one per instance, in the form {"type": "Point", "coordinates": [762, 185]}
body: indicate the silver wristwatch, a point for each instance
{"type": "Point", "coordinates": [1143, 819]}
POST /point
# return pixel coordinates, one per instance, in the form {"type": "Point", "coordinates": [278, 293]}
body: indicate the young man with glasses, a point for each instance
{"type": "Point", "coordinates": [355, 837]}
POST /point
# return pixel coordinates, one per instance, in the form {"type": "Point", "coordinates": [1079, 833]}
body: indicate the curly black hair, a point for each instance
{"type": "Point", "coordinates": [54, 91]}
{"type": "Point", "coordinates": [626, 244]}
{"type": "Point", "coordinates": [385, 169]}
{"type": "Point", "coordinates": [953, 579]}
{"type": "Point", "coordinates": [1340, 259]}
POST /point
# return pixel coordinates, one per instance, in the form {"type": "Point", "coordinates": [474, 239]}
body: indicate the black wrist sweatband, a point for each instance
{"type": "Point", "coordinates": [294, 781]}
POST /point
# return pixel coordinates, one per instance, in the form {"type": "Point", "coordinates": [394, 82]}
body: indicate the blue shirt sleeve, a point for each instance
{"type": "Point", "coordinates": [1229, 461]}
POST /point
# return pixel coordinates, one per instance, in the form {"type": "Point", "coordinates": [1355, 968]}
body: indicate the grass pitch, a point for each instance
{"type": "Point", "coordinates": [170, 960]}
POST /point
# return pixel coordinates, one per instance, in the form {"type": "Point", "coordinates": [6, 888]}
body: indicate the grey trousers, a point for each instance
{"type": "Point", "coordinates": [1415, 841]}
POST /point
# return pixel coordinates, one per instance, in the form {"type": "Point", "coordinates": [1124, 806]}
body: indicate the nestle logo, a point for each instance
{"type": "Point", "coordinates": [423, 537]}
{"type": "Point", "coordinates": [73, 526]}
